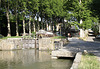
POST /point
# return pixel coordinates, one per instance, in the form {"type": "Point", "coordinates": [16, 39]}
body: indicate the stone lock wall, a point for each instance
{"type": "Point", "coordinates": [42, 44]}
{"type": "Point", "coordinates": [46, 44]}
{"type": "Point", "coordinates": [30, 43]}
{"type": "Point", "coordinates": [4, 45]}
{"type": "Point", "coordinates": [50, 44]}
{"type": "Point", "coordinates": [18, 43]}
{"type": "Point", "coordinates": [11, 44]}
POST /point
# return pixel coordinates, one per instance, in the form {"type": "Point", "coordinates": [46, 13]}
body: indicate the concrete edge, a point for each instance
{"type": "Point", "coordinates": [76, 60]}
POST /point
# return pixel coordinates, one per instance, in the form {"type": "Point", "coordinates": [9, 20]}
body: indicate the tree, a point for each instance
{"type": "Point", "coordinates": [33, 8]}
{"type": "Point", "coordinates": [23, 9]}
{"type": "Point", "coordinates": [0, 3]}
{"type": "Point", "coordinates": [51, 13]}
{"type": "Point", "coordinates": [96, 8]}
{"type": "Point", "coordinates": [82, 12]}
{"type": "Point", "coordinates": [7, 4]}
{"type": "Point", "coordinates": [15, 12]}
{"type": "Point", "coordinates": [95, 26]}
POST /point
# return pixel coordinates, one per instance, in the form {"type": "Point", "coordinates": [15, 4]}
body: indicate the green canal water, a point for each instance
{"type": "Point", "coordinates": [31, 59]}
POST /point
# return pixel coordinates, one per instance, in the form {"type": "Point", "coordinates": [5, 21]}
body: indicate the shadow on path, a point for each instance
{"type": "Point", "coordinates": [77, 45]}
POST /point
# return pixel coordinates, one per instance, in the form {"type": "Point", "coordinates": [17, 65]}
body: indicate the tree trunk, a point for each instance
{"type": "Point", "coordinates": [8, 20]}
{"type": "Point", "coordinates": [42, 22]}
{"type": "Point", "coordinates": [0, 3]}
{"type": "Point", "coordinates": [9, 31]}
{"type": "Point", "coordinates": [81, 21]}
{"type": "Point", "coordinates": [34, 27]}
{"type": "Point", "coordinates": [30, 25]}
{"type": "Point", "coordinates": [16, 24]}
{"type": "Point", "coordinates": [38, 23]}
{"type": "Point", "coordinates": [50, 26]}
{"type": "Point", "coordinates": [53, 24]}
{"type": "Point", "coordinates": [99, 28]}
{"type": "Point", "coordinates": [81, 30]}
{"type": "Point", "coordinates": [64, 25]}
{"type": "Point", "coordinates": [45, 24]}
{"type": "Point", "coordinates": [57, 27]}
{"type": "Point", "coordinates": [17, 28]}
{"type": "Point", "coordinates": [23, 27]}
{"type": "Point", "coordinates": [17, 34]}
{"type": "Point", "coordinates": [80, 2]}
{"type": "Point", "coordinates": [0, 28]}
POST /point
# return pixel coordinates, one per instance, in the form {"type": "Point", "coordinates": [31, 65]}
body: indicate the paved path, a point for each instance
{"type": "Point", "coordinates": [78, 45]}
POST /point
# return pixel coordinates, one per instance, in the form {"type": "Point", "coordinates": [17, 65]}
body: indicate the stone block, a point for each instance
{"type": "Point", "coordinates": [76, 60]}
{"type": "Point", "coordinates": [17, 43]}
{"type": "Point", "coordinates": [46, 44]}
{"type": "Point", "coordinates": [7, 45]}
{"type": "Point", "coordinates": [62, 53]}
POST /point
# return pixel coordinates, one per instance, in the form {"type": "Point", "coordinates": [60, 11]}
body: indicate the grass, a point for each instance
{"type": "Point", "coordinates": [89, 61]}
{"type": "Point", "coordinates": [11, 37]}
{"type": "Point", "coordinates": [58, 37]}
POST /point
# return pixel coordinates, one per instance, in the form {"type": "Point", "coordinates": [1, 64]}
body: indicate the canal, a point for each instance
{"type": "Point", "coordinates": [31, 59]}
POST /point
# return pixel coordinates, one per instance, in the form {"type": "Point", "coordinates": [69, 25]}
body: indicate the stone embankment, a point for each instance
{"type": "Point", "coordinates": [18, 43]}
{"type": "Point", "coordinates": [28, 43]}
{"type": "Point", "coordinates": [11, 44]}
{"type": "Point", "coordinates": [76, 61]}
{"type": "Point", "coordinates": [63, 53]}
{"type": "Point", "coordinates": [51, 44]}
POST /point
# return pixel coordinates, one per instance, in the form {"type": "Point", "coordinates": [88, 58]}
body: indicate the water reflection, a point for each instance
{"type": "Point", "coordinates": [31, 59]}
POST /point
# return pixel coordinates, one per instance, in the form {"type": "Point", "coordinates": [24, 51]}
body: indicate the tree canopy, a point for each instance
{"type": "Point", "coordinates": [21, 16]}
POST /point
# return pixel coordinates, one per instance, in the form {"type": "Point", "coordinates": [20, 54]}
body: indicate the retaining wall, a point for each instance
{"type": "Point", "coordinates": [50, 44]}
{"type": "Point", "coordinates": [18, 43]}
{"type": "Point", "coordinates": [42, 44]}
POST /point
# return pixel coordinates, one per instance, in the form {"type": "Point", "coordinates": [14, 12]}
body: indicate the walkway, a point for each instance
{"type": "Point", "coordinates": [77, 45]}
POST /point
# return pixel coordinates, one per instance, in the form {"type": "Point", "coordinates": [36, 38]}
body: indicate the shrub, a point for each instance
{"type": "Point", "coordinates": [1, 36]}
{"type": "Point", "coordinates": [33, 34]}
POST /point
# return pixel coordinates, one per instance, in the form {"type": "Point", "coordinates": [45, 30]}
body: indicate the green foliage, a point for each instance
{"type": "Point", "coordinates": [95, 29]}
{"type": "Point", "coordinates": [11, 37]}
{"type": "Point", "coordinates": [87, 23]}
{"type": "Point", "coordinates": [82, 10]}
{"type": "Point", "coordinates": [96, 8]}
{"type": "Point", "coordinates": [59, 37]}
{"type": "Point", "coordinates": [33, 34]}
{"type": "Point", "coordinates": [12, 18]}
{"type": "Point", "coordinates": [95, 26]}
{"type": "Point", "coordinates": [32, 6]}
{"type": "Point", "coordinates": [75, 24]}
{"type": "Point", "coordinates": [1, 36]}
